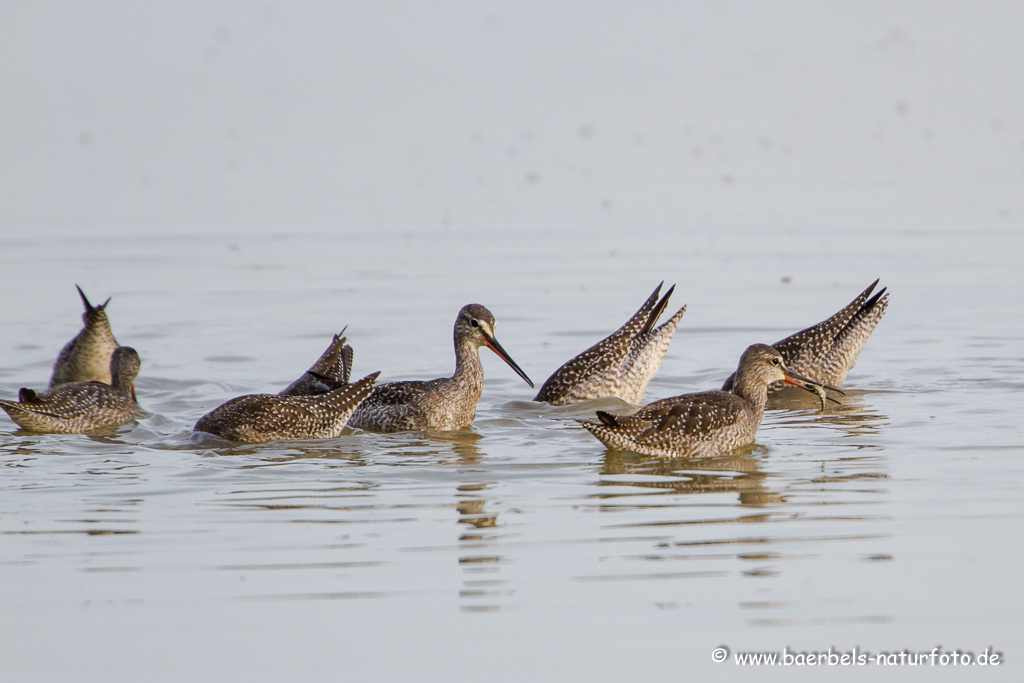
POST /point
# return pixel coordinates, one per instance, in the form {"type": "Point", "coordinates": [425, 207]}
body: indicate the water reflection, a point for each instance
{"type": "Point", "coordinates": [811, 499]}
{"type": "Point", "coordinates": [472, 511]}
{"type": "Point", "coordinates": [853, 415]}
{"type": "Point", "coordinates": [355, 448]}
{"type": "Point", "coordinates": [463, 443]}
{"type": "Point", "coordinates": [482, 586]}
{"type": "Point", "coordinates": [739, 474]}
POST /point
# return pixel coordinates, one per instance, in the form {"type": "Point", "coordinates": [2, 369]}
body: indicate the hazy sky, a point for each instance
{"type": "Point", "coordinates": [476, 113]}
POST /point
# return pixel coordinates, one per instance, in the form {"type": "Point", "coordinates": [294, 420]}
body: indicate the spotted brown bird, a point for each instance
{"type": "Point", "coordinates": [826, 352]}
{"type": "Point", "coordinates": [703, 424]}
{"type": "Point", "coordinates": [87, 357]}
{"type": "Point", "coordinates": [620, 365]}
{"type": "Point", "coordinates": [443, 404]}
{"type": "Point", "coordinates": [257, 418]}
{"type": "Point", "coordinates": [82, 407]}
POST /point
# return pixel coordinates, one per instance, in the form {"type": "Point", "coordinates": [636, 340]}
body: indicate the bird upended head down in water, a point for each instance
{"type": "Point", "coordinates": [443, 404]}
{"type": "Point", "coordinates": [826, 352]}
{"type": "Point", "coordinates": [620, 365]}
{"type": "Point", "coordinates": [332, 370]}
{"type": "Point", "coordinates": [703, 424]}
{"type": "Point", "coordinates": [318, 405]}
{"type": "Point", "coordinates": [87, 357]}
{"type": "Point", "coordinates": [258, 418]}
{"type": "Point", "coordinates": [82, 407]}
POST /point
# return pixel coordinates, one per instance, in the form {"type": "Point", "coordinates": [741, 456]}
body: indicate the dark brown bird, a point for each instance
{"type": "Point", "coordinates": [257, 418]}
{"type": "Point", "coordinates": [86, 358]}
{"type": "Point", "coordinates": [82, 407]}
{"type": "Point", "coordinates": [620, 365]}
{"type": "Point", "coordinates": [703, 424]}
{"type": "Point", "coordinates": [826, 352]}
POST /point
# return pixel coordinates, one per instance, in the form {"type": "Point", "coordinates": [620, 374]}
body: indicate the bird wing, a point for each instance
{"type": "Point", "coordinates": [695, 415]}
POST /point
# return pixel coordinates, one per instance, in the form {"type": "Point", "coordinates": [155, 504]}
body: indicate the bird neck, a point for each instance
{"type": "Point", "coordinates": [120, 380]}
{"type": "Point", "coordinates": [468, 368]}
{"type": "Point", "coordinates": [754, 393]}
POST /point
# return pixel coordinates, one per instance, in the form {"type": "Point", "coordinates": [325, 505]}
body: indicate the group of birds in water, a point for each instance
{"type": "Point", "coordinates": [92, 386]}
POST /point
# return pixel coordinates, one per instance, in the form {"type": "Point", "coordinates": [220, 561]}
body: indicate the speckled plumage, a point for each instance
{"type": "Point", "coordinates": [257, 418]}
{"type": "Point", "coordinates": [826, 352]}
{"type": "Point", "coordinates": [86, 358]}
{"type": "Point", "coordinates": [331, 371]}
{"type": "Point", "coordinates": [81, 407]}
{"type": "Point", "coordinates": [704, 424]}
{"type": "Point", "coordinates": [444, 404]}
{"type": "Point", "coordinates": [620, 365]}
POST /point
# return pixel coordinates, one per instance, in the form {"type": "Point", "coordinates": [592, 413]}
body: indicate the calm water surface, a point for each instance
{"type": "Point", "coordinates": [520, 550]}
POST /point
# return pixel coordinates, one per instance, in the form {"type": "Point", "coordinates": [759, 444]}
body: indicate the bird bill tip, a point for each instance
{"type": "Point", "coordinates": [494, 346]}
{"type": "Point", "coordinates": [810, 385]}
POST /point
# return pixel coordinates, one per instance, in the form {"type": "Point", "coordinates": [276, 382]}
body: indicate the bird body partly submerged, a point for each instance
{"type": "Point", "coordinates": [257, 418]}
{"type": "Point", "coordinates": [698, 425]}
{"type": "Point", "coordinates": [87, 357]}
{"type": "Point", "coordinates": [438, 405]}
{"type": "Point", "coordinates": [826, 352]}
{"type": "Point", "coordinates": [444, 404]}
{"type": "Point", "coordinates": [703, 424]}
{"type": "Point", "coordinates": [620, 365]}
{"type": "Point", "coordinates": [332, 370]}
{"type": "Point", "coordinates": [81, 407]}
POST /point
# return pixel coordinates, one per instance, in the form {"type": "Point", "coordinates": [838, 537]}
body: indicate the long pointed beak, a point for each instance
{"type": "Point", "coordinates": [493, 345]}
{"type": "Point", "coordinates": [810, 385]}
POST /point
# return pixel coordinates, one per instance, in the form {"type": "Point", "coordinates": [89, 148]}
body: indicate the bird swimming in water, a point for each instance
{"type": "Point", "coordinates": [622, 364]}
{"type": "Point", "coordinates": [257, 418]}
{"type": "Point", "coordinates": [81, 407]}
{"type": "Point", "coordinates": [332, 370]}
{"type": "Point", "coordinates": [826, 352]}
{"type": "Point", "coordinates": [703, 424]}
{"type": "Point", "coordinates": [443, 404]}
{"type": "Point", "coordinates": [87, 357]}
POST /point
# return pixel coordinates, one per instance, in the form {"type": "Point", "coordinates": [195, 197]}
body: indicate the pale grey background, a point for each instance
{"type": "Point", "coordinates": [483, 114]}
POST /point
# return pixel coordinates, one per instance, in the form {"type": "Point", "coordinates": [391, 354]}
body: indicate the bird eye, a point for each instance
{"type": "Point", "coordinates": [776, 360]}
{"type": "Point", "coordinates": [473, 322]}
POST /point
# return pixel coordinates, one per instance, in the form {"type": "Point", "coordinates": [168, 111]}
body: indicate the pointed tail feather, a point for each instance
{"type": "Point", "coordinates": [349, 397]}
{"type": "Point", "coordinates": [89, 308]}
{"type": "Point", "coordinates": [346, 356]}
{"type": "Point", "coordinates": [656, 312]}
{"type": "Point", "coordinates": [865, 320]}
{"type": "Point", "coordinates": [674, 320]}
{"type": "Point", "coordinates": [639, 319]}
